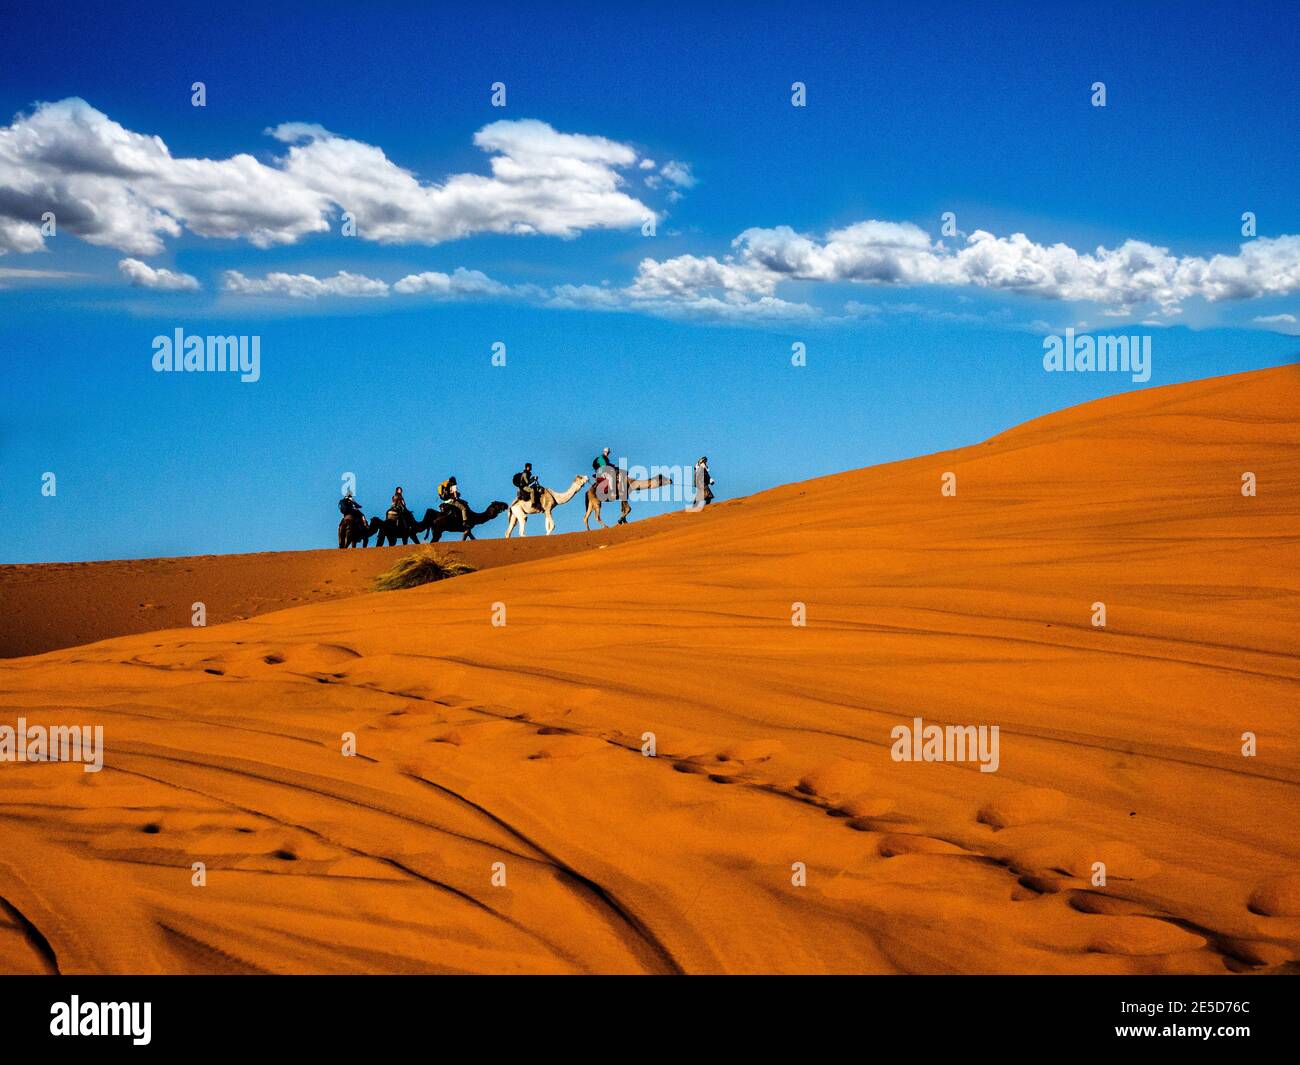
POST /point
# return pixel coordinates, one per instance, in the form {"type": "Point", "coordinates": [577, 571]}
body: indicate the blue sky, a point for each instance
{"type": "Point", "coordinates": [773, 224]}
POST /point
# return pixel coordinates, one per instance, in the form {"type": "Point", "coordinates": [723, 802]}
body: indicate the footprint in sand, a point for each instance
{"type": "Point", "coordinates": [1140, 937]}
{"type": "Point", "coordinates": [476, 732]}
{"type": "Point", "coordinates": [1106, 905]}
{"type": "Point", "coordinates": [835, 779]}
{"type": "Point", "coordinates": [1253, 952]}
{"type": "Point", "coordinates": [751, 751]}
{"type": "Point", "coordinates": [1277, 896]}
{"type": "Point", "coordinates": [866, 806]}
{"type": "Point", "coordinates": [1123, 861]}
{"type": "Point", "coordinates": [892, 846]}
{"type": "Point", "coordinates": [1032, 806]}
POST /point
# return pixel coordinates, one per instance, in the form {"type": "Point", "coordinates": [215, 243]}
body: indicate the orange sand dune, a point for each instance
{"type": "Point", "coordinates": [63, 604]}
{"type": "Point", "coordinates": [515, 751]}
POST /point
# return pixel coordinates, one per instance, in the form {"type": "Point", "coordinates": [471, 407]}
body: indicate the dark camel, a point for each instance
{"type": "Point", "coordinates": [437, 522]}
{"type": "Point", "coordinates": [353, 533]}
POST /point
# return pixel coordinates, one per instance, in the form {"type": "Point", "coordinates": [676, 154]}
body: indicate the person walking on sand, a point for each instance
{"type": "Point", "coordinates": [703, 484]}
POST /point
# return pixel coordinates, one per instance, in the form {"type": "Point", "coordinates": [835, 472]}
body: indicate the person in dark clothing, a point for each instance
{"type": "Point", "coordinates": [449, 493]}
{"type": "Point", "coordinates": [530, 488]}
{"type": "Point", "coordinates": [400, 514]}
{"type": "Point", "coordinates": [348, 505]}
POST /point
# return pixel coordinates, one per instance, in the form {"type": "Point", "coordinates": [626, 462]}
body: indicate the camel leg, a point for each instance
{"type": "Point", "coordinates": [550, 523]}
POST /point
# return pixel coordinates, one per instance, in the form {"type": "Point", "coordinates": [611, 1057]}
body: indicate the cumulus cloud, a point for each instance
{"type": "Point", "coordinates": [542, 182]}
{"type": "Point", "coordinates": [743, 286]}
{"type": "Point", "coordinates": [721, 297]}
{"type": "Point", "coordinates": [672, 173]}
{"type": "Point", "coordinates": [303, 286]}
{"type": "Point", "coordinates": [679, 174]}
{"type": "Point", "coordinates": [125, 190]}
{"type": "Point", "coordinates": [874, 252]}
{"type": "Point", "coordinates": [747, 283]}
{"type": "Point", "coordinates": [460, 283]}
{"type": "Point", "coordinates": [118, 188]}
{"type": "Point", "coordinates": [902, 254]}
{"type": "Point", "coordinates": [145, 276]}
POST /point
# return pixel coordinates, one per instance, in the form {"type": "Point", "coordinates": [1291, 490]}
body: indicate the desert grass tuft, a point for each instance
{"type": "Point", "coordinates": [420, 567]}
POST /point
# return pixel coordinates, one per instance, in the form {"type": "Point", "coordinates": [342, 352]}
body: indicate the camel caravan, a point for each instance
{"type": "Point", "coordinates": [608, 483]}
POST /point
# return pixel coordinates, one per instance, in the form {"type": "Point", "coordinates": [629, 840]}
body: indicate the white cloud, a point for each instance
{"type": "Point", "coordinates": [902, 254]}
{"type": "Point", "coordinates": [145, 276]}
{"type": "Point", "coordinates": [679, 174]}
{"type": "Point", "coordinates": [743, 286]}
{"type": "Point", "coordinates": [303, 286]}
{"type": "Point", "coordinates": [124, 190]}
{"type": "Point", "coordinates": [1286, 324]}
{"type": "Point", "coordinates": [723, 295]}
{"type": "Point", "coordinates": [542, 182]}
{"type": "Point", "coordinates": [674, 173]}
{"type": "Point", "coordinates": [16, 235]}
{"type": "Point", "coordinates": [459, 283]}
{"type": "Point", "coordinates": [118, 188]}
{"type": "Point", "coordinates": [11, 277]}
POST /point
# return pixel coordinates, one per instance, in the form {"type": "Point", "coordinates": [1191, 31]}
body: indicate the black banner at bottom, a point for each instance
{"type": "Point", "coordinates": [332, 1015]}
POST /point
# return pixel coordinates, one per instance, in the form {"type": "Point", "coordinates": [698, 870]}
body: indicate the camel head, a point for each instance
{"type": "Point", "coordinates": [581, 479]}
{"type": "Point", "coordinates": [495, 509]}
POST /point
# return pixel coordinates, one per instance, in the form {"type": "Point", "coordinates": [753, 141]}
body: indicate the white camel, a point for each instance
{"type": "Point", "coordinates": [521, 508]}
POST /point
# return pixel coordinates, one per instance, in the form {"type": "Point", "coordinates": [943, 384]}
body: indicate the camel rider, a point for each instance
{"type": "Point", "coordinates": [348, 505]}
{"type": "Point", "coordinates": [399, 512]}
{"type": "Point", "coordinates": [449, 493]}
{"type": "Point", "coordinates": [530, 488]}
{"type": "Point", "coordinates": [606, 472]}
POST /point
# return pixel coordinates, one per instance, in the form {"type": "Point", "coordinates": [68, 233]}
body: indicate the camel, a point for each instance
{"type": "Point", "coordinates": [354, 530]}
{"type": "Point", "coordinates": [626, 486]}
{"type": "Point", "coordinates": [521, 508]}
{"type": "Point", "coordinates": [392, 529]}
{"type": "Point", "coordinates": [437, 522]}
